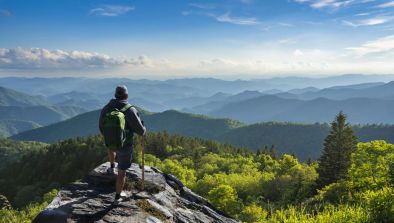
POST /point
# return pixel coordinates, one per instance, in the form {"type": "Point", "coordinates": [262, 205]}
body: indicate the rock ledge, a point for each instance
{"type": "Point", "coordinates": [164, 199]}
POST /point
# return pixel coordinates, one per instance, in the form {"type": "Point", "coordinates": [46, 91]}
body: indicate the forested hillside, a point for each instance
{"type": "Point", "coordinates": [11, 127]}
{"type": "Point", "coordinates": [254, 188]}
{"type": "Point", "coordinates": [20, 112]}
{"type": "Point", "coordinates": [303, 140]}
{"type": "Point", "coordinates": [171, 121]}
{"type": "Point", "coordinates": [9, 97]}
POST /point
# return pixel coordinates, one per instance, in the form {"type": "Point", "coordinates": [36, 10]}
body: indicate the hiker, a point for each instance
{"type": "Point", "coordinates": [118, 123]}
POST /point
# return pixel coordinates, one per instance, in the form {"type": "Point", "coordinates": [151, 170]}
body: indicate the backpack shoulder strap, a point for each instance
{"type": "Point", "coordinates": [126, 107]}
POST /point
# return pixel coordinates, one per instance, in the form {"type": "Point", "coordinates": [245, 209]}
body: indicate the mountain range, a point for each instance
{"type": "Point", "coordinates": [268, 110]}
{"type": "Point", "coordinates": [186, 93]}
{"type": "Point", "coordinates": [303, 140]}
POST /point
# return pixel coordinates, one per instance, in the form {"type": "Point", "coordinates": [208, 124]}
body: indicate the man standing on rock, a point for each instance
{"type": "Point", "coordinates": [118, 123]}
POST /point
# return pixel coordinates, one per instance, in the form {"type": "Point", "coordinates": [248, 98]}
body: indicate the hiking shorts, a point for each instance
{"type": "Point", "coordinates": [124, 157]}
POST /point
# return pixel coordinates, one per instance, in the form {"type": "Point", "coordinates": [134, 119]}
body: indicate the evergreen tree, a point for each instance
{"type": "Point", "coordinates": [338, 147]}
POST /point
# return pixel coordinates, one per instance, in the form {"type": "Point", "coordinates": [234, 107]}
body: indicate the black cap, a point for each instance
{"type": "Point", "coordinates": [121, 91]}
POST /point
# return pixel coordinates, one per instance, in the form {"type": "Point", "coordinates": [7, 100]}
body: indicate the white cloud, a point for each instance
{"type": "Point", "coordinates": [377, 20]}
{"type": "Point", "coordinates": [363, 14]}
{"type": "Point", "coordinates": [237, 20]}
{"type": "Point", "coordinates": [111, 10]}
{"type": "Point", "coordinates": [318, 4]}
{"type": "Point", "coordinates": [298, 53]}
{"type": "Point", "coordinates": [43, 62]}
{"type": "Point", "coordinates": [38, 58]}
{"type": "Point", "coordinates": [382, 45]}
{"type": "Point", "coordinates": [332, 4]}
{"type": "Point", "coordinates": [386, 5]}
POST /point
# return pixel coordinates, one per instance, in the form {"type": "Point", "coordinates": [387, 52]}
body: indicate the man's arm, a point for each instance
{"type": "Point", "coordinates": [134, 121]}
{"type": "Point", "coordinates": [103, 111]}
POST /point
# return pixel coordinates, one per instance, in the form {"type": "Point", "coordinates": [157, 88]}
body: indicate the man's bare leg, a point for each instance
{"type": "Point", "coordinates": [111, 156]}
{"type": "Point", "coordinates": [120, 180]}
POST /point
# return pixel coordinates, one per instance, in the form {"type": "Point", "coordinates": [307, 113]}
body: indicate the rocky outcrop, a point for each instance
{"type": "Point", "coordinates": [164, 199]}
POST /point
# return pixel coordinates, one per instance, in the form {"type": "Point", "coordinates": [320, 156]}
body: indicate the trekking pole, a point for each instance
{"type": "Point", "coordinates": [143, 162]}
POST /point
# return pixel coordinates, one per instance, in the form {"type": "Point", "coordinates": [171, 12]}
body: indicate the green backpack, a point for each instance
{"type": "Point", "coordinates": [114, 128]}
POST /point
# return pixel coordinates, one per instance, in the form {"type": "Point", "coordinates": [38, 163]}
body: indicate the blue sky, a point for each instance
{"type": "Point", "coordinates": [181, 38]}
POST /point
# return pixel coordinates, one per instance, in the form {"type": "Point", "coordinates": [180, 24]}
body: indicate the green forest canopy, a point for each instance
{"type": "Point", "coordinates": [251, 187]}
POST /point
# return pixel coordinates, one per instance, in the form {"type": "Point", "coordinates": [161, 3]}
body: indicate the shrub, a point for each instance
{"type": "Point", "coordinates": [380, 204]}
{"type": "Point", "coordinates": [253, 214]}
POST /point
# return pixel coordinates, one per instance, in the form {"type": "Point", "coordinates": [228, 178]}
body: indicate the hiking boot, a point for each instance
{"type": "Point", "coordinates": [118, 199]}
{"type": "Point", "coordinates": [110, 171]}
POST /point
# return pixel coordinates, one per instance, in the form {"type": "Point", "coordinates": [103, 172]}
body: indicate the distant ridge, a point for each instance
{"type": "Point", "coordinates": [9, 97]}
{"type": "Point", "coordinates": [12, 127]}
{"type": "Point", "coordinates": [276, 108]}
{"type": "Point", "coordinates": [172, 121]}
{"type": "Point", "coordinates": [21, 112]}
{"type": "Point", "coordinates": [303, 140]}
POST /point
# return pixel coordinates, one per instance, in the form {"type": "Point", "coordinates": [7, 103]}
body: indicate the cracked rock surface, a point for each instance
{"type": "Point", "coordinates": [164, 199]}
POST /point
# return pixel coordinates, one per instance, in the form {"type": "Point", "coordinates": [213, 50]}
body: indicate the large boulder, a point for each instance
{"type": "Point", "coordinates": [163, 199]}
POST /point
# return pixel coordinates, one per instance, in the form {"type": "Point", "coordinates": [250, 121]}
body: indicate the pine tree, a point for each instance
{"type": "Point", "coordinates": [338, 147]}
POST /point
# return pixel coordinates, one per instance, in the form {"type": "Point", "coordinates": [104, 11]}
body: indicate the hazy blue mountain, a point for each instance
{"type": "Point", "coordinates": [216, 104]}
{"type": "Point", "coordinates": [368, 90]}
{"type": "Point", "coordinates": [147, 105]}
{"type": "Point", "coordinates": [359, 86]}
{"type": "Point", "coordinates": [274, 108]}
{"type": "Point", "coordinates": [279, 83]}
{"type": "Point", "coordinates": [303, 90]}
{"type": "Point", "coordinates": [9, 97]}
{"type": "Point", "coordinates": [41, 86]}
{"type": "Point", "coordinates": [137, 88]}
{"type": "Point", "coordinates": [288, 83]}
{"type": "Point", "coordinates": [12, 127]}
{"type": "Point", "coordinates": [359, 110]}
{"type": "Point", "coordinates": [194, 101]}
{"type": "Point", "coordinates": [256, 109]}
{"type": "Point", "coordinates": [88, 101]}
{"type": "Point", "coordinates": [272, 91]}
{"type": "Point", "coordinates": [182, 87]}
{"type": "Point", "coordinates": [42, 115]}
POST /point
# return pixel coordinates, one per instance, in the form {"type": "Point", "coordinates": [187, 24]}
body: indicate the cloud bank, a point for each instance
{"type": "Point", "coordinates": [39, 58]}
{"type": "Point", "coordinates": [44, 62]}
{"type": "Point", "coordinates": [379, 46]}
